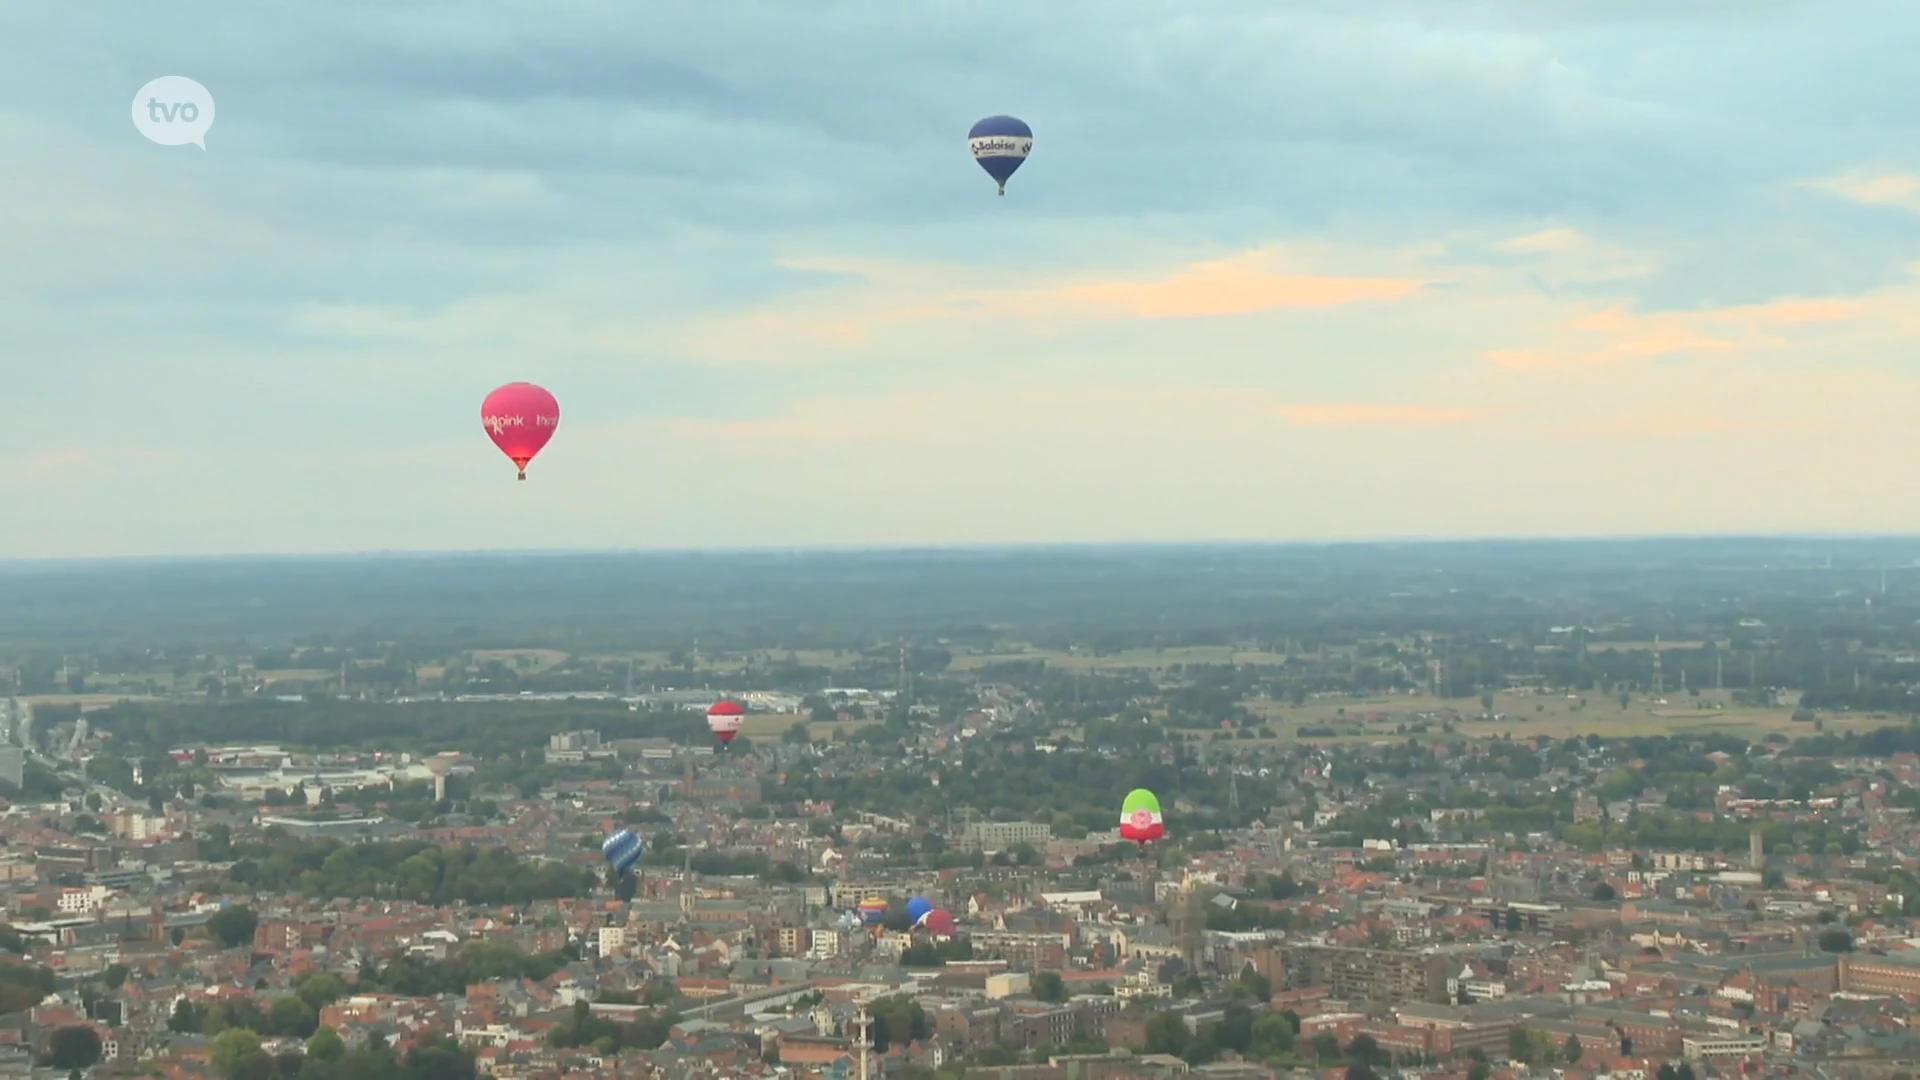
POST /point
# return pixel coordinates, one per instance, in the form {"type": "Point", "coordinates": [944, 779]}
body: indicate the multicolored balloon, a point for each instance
{"type": "Point", "coordinates": [1140, 817]}
{"type": "Point", "coordinates": [623, 850]}
{"type": "Point", "coordinates": [917, 909]}
{"type": "Point", "coordinates": [872, 910]}
{"type": "Point", "coordinates": [939, 923]}
{"type": "Point", "coordinates": [1000, 145]}
{"type": "Point", "coordinates": [724, 719]}
{"type": "Point", "coordinates": [520, 418]}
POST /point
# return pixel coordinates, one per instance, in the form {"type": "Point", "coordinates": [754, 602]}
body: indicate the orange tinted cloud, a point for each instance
{"type": "Point", "coordinates": [1877, 189]}
{"type": "Point", "coordinates": [893, 295]}
{"type": "Point", "coordinates": [1789, 310]}
{"type": "Point", "coordinates": [1616, 335]}
{"type": "Point", "coordinates": [1677, 424]}
{"type": "Point", "coordinates": [1238, 286]}
{"type": "Point", "coordinates": [1357, 413]}
{"type": "Point", "coordinates": [975, 415]}
{"type": "Point", "coordinates": [1549, 241]}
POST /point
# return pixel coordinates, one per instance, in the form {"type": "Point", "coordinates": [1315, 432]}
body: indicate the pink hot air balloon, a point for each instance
{"type": "Point", "coordinates": [939, 923]}
{"type": "Point", "coordinates": [520, 418]}
{"type": "Point", "coordinates": [724, 720]}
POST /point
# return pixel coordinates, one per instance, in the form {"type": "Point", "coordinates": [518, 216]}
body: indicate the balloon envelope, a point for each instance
{"type": "Point", "coordinates": [872, 910]}
{"type": "Point", "coordinates": [917, 909]}
{"type": "Point", "coordinates": [520, 418]}
{"type": "Point", "coordinates": [1140, 817]}
{"type": "Point", "coordinates": [1000, 145]}
{"type": "Point", "coordinates": [939, 923]}
{"type": "Point", "coordinates": [622, 850]}
{"type": "Point", "coordinates": [724, 719]}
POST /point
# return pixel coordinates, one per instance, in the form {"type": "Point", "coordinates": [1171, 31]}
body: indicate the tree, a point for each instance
{"type": "Point", "coordinates": [291, 1016]}
{"type": "Point", "coordinates": [1683, 1072]}
{"type": "Point", "coordinates": [1666, 1072]}
{"type": "Point", "coordinates": [1604, 893]}
{"type": "Point", "coordinates": [1167, 1034]}
{"type": "Point", "coordinates": [232, 1049]}
{"type": "Point", "coordinates": [1048, 986]}
{"type": "Point", "coordinates": [321, 989]}
{"type": "Point", "coordinates": [440, 1058]}
{"type": "Point", "coordinates": [1363, 1050]}
{"type": "Point", "coordinates": [233, 926]}
{"type": "Point", "coordinates": [1235, 1030]}
{"type": "Point", "coordinates": [1361, 1072]}
{"type": "Point", "coordinates": [1479, 1070]}
{"type": "Point", "coordinates": [896, 1018]}
{"type": "Point", "coordinates": [1326, 1047]}
{"type": "Point", "coordinates": [922, 954]}
{"type": "Point", "coordinates": [1570, 1053]}
{"type": "Point", "coordinates": [1256, 984]}
{"type": "Point", "coordinates": [76, 1047]}
{"type": "Point", "coordinates": [326, 1045]}
{"type": "Point", "coordinates": [1272, 1036]}
{"type": "Point", "coordinates": [187, 1018]}
{"type": "Point", "coordinates": [1520, 1046]}
{"type": "Point", "coordinates": [1836, 941]}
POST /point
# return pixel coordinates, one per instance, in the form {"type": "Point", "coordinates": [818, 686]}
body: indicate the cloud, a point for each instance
{"type": "Point", "coordinates": [1561, 259]}
{"type": "Point", "coordinates": [1559, 241]}
{"type": "Point", "coordinates": [1661, 425]}
{"type": "Point", "coordinates": [1612, 336]}
{"type": "Point", "coordinates": [1875, 189]}
{"type": "Point", "coordinates": [1238, 286]}
{"type": "Point", "coordinates": [1385, 415]}
{"type": "Point", "coordinates": [903, 296]}
{"type": "Point", "coordinates": [747, 249]}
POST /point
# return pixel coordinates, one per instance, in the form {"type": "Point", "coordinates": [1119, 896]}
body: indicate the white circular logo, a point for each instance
{"type": "Point", "coordinates": [173, 110]}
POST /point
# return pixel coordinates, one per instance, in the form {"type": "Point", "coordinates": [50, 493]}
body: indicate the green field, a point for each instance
{"type": "Point", "coordinates": [1147, 659]}
{"type": "Point", "coordinates": [1528, 714]}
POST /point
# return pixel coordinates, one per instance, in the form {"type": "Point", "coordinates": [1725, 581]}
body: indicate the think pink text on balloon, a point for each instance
{"type": "Point", "coordinates": [520, 418]}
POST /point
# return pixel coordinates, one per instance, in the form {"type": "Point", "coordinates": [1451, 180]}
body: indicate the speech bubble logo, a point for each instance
{"type": "Point", "coordinates": [173, 110]}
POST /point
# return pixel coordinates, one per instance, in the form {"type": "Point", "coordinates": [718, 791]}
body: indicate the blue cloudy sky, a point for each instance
{"type": "Point", "coordinates": [1278, 269]}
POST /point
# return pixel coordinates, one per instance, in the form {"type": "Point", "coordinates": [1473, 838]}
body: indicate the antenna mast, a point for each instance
{"type": "Point", "coordinates": [863, 1025]}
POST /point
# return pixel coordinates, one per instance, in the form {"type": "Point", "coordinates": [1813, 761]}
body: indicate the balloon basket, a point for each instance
{"type": "Point", "coordinates": [522, 476]}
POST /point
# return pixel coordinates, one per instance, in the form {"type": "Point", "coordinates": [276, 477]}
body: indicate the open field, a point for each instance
{"type": "Point", "coordinates": [767, 725]}
{"type": "Point", "coordinates": [295, 674]}
{"type": "Point", "coordinates": [1527, 714]}
{"type": "Point", "coordinates": [1642, 646]}
{"type": "Point", "coordinates": [826, 658]}
{"type": "Point", "coordinates": [86, 702]}
{"type": "Point", "coordinates": [520, 659]}
{"type": "Point", "coordinates": [1155, 659]}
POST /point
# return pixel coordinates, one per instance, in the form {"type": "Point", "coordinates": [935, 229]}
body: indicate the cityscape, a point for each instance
{"type": "Point", "coordinates": [1085, 540]}
{"type": "Point", "coordinates": [1647, 815]}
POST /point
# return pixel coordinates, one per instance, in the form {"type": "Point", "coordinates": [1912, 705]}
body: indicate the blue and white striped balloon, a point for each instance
{"type": "Point", "coordinates": [1000, 144]}
{"type": "Point", "coordinates": [622, 850]}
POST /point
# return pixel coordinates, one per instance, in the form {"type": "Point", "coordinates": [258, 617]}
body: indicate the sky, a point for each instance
{"type": "Point", "coordinates": [1276, 270]}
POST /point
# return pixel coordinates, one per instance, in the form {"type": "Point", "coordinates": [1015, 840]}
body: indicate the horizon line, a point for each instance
{"type": "Point", "coordinates": [977, 547]}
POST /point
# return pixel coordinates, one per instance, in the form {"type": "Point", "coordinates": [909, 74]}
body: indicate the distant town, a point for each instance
{"type": "Point", "coordinates": [1605, 852]}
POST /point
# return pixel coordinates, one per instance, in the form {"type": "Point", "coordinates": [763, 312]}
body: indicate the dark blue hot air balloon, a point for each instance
{"type": "Point", "coordinates": [622, 850]}
{"type": "Point", "coordinates": [999, 145]}
{"type": "Point", "coordinates": [917, 909]}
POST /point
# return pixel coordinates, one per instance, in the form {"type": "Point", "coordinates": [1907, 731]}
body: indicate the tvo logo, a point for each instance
{"type": "Point", "coordinates": [174, 110]}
